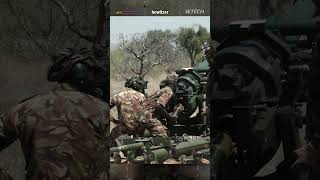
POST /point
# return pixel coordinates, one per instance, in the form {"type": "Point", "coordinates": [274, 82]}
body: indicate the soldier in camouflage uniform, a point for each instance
{"type": "Point", "coordinates": [135, 112]}
{"type": "Point", "coordinates": [166, 102]}
{"type": "Point", "coordinates": [63, 133]}
{"type": "Point", "coordinates": [128, 104]}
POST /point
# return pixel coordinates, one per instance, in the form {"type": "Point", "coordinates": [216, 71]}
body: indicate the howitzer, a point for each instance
{"type": "Point", "coordinates": [157, 149]}
{"type": "Point", "coordinates": [189, 100]}
{"type": "Point", "coordinates": [191, 87]}
{"type": "Point", "coordinates": [127, 147]}
{"type": "Point", "coordinates": [258, 77]}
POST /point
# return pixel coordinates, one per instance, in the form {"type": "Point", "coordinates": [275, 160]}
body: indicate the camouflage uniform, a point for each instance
{"type": "Point", "coordinates": [136, 113]}
{"type": "Point", "coordinates": [161, 98]}
{"type": "Point", "coordinates": [128, 104]}
{"type": "Point", "coordinates": [63, 135]}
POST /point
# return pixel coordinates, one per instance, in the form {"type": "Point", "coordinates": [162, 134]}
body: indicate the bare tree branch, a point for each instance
{"type": "Point", "coordinates": [70, 21]}
{"type": "Point", "coordinates": [132, 69]}
{"type": "Point", "coordinates": [149, 69]}
{"type": "Point", "coordinates": [148, 50]}
{"type": "Point", "coordinates": [26, 29]}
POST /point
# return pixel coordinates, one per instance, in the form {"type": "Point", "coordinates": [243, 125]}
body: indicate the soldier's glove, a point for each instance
{"type": "Point", "coordinates": [204, 112]}
{"type": "Point", "coordinates": [171, 161]}
{"type": "Point", "coordinates": [171, 119]}
{"type": "Point", "coordinates": [177, 110]}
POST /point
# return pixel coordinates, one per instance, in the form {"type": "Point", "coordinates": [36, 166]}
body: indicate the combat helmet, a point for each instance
{"type": "Point", "coordinates": [171, 81]}
{"type": "Point", "coordinates": [82, 69]}
{"type": "Point", "coordinates": [137, 83]}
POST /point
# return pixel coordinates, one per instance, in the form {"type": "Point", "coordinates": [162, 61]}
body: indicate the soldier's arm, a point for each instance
{"type": "Point", "coordinates": [113, 101]}
{"type": "Point", "coordinates": [162, 110]}
{"type": "Point", "coordinates": [166, 94]}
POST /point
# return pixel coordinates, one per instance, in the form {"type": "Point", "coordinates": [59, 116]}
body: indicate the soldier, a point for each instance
{"type": "Point", "coordinates": [164, 99]}
{"type": "Point", "coordinates": [63, 133]}
{"type": "Point", "coordinates": [133, 113]}
{"type": "Point", "coordinates": [144, 85]}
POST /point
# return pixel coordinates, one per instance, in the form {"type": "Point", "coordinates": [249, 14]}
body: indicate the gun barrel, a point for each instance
{"type": "Point", "coordinates": [204, 151]}
{"type": "Point", "coordinates": [127, 147]}
{"type": "Point", "coordinates": [304, 26]}
{"type": "Point", "coordinates": [186, 148]}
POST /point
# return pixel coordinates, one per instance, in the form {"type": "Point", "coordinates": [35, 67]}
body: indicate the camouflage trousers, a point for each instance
{"type": "Point", "coordinates": [4, 175]}
{"type": "Point", "coordinates": [154, 126]}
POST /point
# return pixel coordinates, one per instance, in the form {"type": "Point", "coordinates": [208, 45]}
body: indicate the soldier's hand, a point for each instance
{"type": "Point", "coordinates": [173, 119]}
{"type": "Point", "coordinates": [204, 111]}
{"type": "Point", "coordinates": [227, 145]}
{"type": "Point", "coordinates": [168, 116]}
{"type": "Point", "coordinates": [171, 161]}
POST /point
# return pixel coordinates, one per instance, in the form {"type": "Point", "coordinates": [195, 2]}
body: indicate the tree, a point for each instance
{"type": "Point", "coordinates": [191, 39]}
{"type": "Point", "coordinates": [145, 51]}
{"type": "Point", "coordinates": [43, 27]}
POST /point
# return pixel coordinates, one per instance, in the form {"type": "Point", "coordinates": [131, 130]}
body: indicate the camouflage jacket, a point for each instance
{"type": "Point", "coordinates": [159, 97]}
{"type": "Point", "coordinates": [63, 135]}
{"type": "Point", "coordinates": [133, 107]}
{"type": "Point", "coordinates": [129, 106]}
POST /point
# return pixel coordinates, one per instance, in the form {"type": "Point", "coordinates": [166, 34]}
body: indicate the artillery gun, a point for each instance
{"type": "Point", "coordinates": [257, 81]}
{"type": "Point", "coordinates": [155, 150]}
{"type": "Point", "coordinates": [189, 101]}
